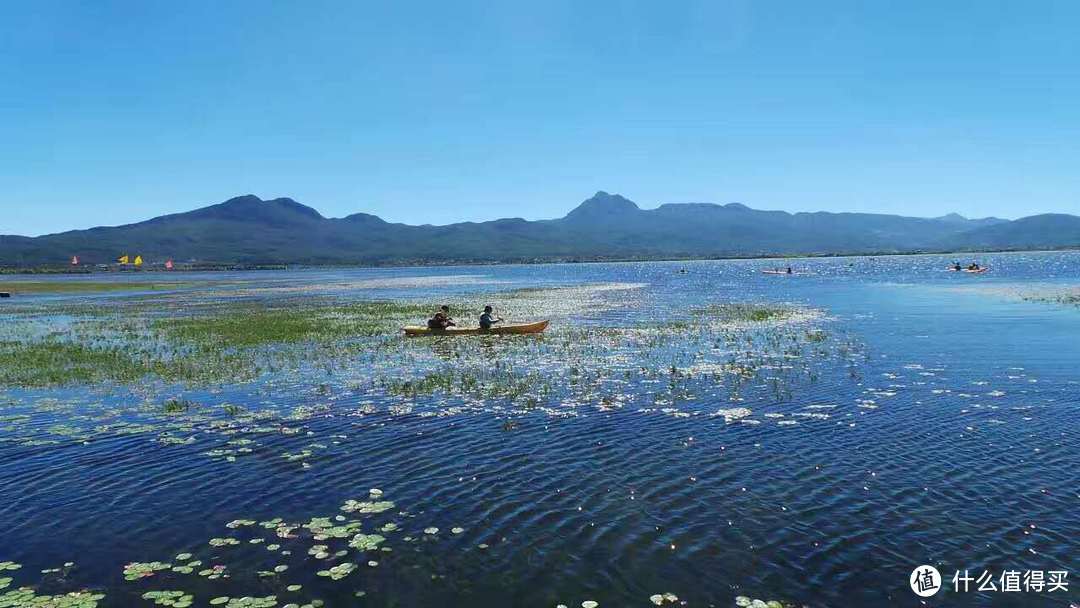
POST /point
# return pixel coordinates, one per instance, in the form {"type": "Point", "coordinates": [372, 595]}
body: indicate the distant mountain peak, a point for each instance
{"type": "Point", "coordinates": [364, 218]}
{"type": "Point", "coordinates": [252, 208]}
{"type": "Point", "coordinates": [242, 200]}
{"type": "Point", "coordinates": [952, 217]}
{"type": "Point", "coordinates": [602, 205]}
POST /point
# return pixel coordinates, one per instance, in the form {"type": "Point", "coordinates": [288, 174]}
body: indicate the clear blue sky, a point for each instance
{"type": "Point", "coordinates": [113, 112]}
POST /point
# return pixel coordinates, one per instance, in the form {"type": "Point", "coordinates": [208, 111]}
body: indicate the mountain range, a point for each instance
{"type": "Point", "coordinates": [250, 230]}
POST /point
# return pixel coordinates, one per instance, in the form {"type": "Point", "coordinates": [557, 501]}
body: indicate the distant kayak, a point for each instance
{"type": "Point", "coordinates": [520, 328]}
{"type": "Point", "coordinates": [976, 270]}
{"type": "Point", "coordinates": [777, 272]}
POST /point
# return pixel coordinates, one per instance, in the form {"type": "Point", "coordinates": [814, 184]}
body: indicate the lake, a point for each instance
{"type": "Point", "coordinates": [698, 429]}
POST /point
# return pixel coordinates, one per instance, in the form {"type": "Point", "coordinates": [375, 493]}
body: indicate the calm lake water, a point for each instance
{"type": "Point", "coordinates": [938, 424]}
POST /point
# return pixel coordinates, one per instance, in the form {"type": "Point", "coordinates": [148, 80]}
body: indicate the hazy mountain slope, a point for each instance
{"type": "Point", "coordinates": [606, 226]}
{"type": "Point", "coordinates": [1049, 230]}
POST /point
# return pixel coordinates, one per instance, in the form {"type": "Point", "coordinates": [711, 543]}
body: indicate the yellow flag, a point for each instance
{"type": "Point", "coordinates": [138, 260]}
{"type": "Point", "coordinates": [123, 259]}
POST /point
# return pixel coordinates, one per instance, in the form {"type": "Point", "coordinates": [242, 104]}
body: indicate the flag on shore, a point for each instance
{"type": "Point", "coordinates": [124, 259]}
{"type": "Point", "coordinates": [168, 265]}
{"type": "Point", "coordinates": [74, 260]}
{"type": "Point", "coordinates": [138, 260]}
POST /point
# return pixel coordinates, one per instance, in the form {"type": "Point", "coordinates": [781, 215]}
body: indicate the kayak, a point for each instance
{"type": "Point", "coordinates": [976, 271]}
{"type": "Point", "coordinates": [776, 272]}
{"type": "Point", "coordinates": [520, 328]}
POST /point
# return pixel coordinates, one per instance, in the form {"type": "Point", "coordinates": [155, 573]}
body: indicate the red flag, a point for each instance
{"type": "Point", "coordinates": [168, 265]}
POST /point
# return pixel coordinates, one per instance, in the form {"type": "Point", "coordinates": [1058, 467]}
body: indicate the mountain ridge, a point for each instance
{"type": "Point", "coordinates": [248, 229]}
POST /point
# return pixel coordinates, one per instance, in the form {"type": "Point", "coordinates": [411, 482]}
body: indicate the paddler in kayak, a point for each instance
{"type": "Point", "coordinates": [973, 266]}
{"type": "Point", "coordinates": [442, 319]}
{"type": "Point", "coordinates": [488, 319]}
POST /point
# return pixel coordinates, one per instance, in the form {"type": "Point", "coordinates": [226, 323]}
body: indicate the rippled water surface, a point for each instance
{"type": "Point", "coordinates": [894, 415]}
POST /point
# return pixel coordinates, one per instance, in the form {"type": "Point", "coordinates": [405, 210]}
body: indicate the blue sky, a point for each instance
{"type": "Point", "coordinates": [432, 112]}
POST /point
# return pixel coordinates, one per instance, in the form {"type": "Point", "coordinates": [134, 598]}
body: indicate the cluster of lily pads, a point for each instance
{"type": "Point", "coordinates": [247, 602]}
{"type": "Point", "coordinates": [743, 601]}
{"type": "Point", "coordinates": [360, 528]}
{"type": "Point", "coordinates": [137, 570]}
{"type": "Point", "coordinates": [178, 599]}
{"type": "Point", "coordinates": [28, 597]}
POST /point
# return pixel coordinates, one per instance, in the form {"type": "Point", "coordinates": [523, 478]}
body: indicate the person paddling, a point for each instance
{"type": "Point", "coordinates": [442, 319]}
{"type": "Point", "coordinates": [487, 319]}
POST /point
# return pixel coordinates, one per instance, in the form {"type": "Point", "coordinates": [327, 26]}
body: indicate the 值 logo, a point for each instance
{"type": "Point", "coordinates": [925, 581]}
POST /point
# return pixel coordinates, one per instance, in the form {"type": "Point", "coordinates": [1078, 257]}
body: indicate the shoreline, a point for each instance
{"type": "Point", "coordinates": [245, 267]}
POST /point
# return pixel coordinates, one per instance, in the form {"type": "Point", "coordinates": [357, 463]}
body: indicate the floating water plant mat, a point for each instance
{"type": "Point", "coordinates": [127, 370]}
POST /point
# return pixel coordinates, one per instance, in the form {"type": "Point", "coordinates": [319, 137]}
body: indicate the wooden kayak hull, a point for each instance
{"type": "Point", "coordinates": [520, 328]}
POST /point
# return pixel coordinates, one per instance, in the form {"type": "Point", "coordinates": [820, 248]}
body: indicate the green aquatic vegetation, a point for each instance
{"type": "Point", "coordinates": [214, 572]}
{"type": "Point", "coordinates": [223, 542]}
{"type": "Point", "coordinates": [26, 597]}
{"type": "Point", "coordinates": [168, 439]}
{"type": "Point", "coordinates": [5, 582]}
{"type": "Point", "coordinates": [245, 602]}
{"type": "Point", "coordinates": [187, 568]}
{"type": "Point", "coordinates": [355, 506]}
{"type": "Point", "coordinates": [338, 572]}
{"type": "Point", "coordinates": [746, 312]}
{"type": "Point", "coordinates": [322, 528]}
{"type": "Point", "coordinates": [9, 566]}
{"type": "Point", "coordinates": [52, 362]}
{"type": "Point", "coordinates": [256, 325]}
{"type": "Point", "coordinates": [178, 599]}
{"type": "Point", "coordinates": [137, 570]}
{"type": "Point", "coordinates": [176, 406]}
{"type": "Point", "coordinates": [301, 455]}
{"type": "Point", "coordinates": [239, 523]}
{"type": "Point", "coordinates": [61, 287]}
{"type": "Point", "coordinates": [1066, 298]}
{"type": "Point", "coordinates": [366, 542]}
{"type": "Point", "coordinates": [745, 602]}
{"type": "Point", "coordinates": [226, 342]}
